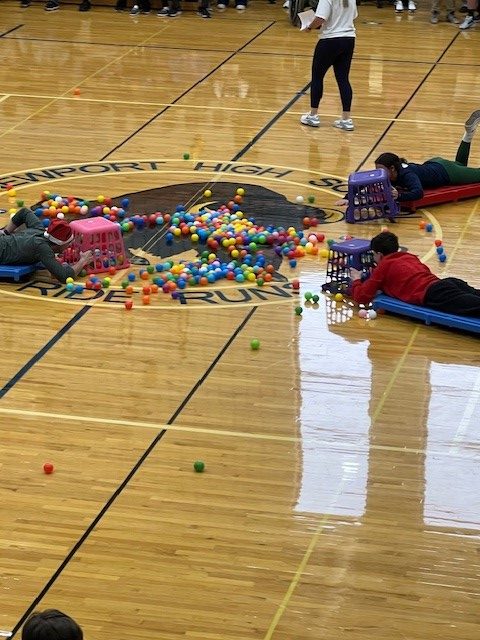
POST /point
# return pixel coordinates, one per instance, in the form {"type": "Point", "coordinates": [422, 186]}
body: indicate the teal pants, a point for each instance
{"type": "Point", "coordinates": [457, 169]}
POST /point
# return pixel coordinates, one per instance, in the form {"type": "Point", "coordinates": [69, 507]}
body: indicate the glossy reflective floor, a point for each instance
{"type": "Point", "coordinates": [341, 493]}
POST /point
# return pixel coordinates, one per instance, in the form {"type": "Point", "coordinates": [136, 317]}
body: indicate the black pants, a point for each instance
{"type": "Point", "coordinates": [453, 295]}
{"type": "Point", "coordinates": [336, 53]}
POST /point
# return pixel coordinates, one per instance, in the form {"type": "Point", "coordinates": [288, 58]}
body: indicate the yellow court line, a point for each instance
{"type": "Point", "coordinates": [114, 61]}
{"type": "Point", "coordinates": [462, 234]}
{"type": "Point", "coordinates": [177, 105]}
{"type": "Point", "coordinates": [394, 376]}
{"type": "Point", "coordinates": [349, 446]}
{"type": "Point", "coordinates": [298, 574]}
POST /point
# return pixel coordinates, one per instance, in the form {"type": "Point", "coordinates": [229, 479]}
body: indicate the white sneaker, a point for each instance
{"type": "Point", "coordinates": [472, 122]}
{"type": "Point", "coordinates": [286, 4]}
{"type": "Point", "coordinates": [434, 18]}
{"type": "Point", "coordinates": [467, 23]}
{"type": "Point", "coordinates": [240, 7]}
{"type": "Point", "coordinates": [309, 120]}
{"type": "Point", "coordinates": [346, 124]}
{"type": "Point", "coordinates": [399, 6]}
{"type": "Point", "coordinates": [221, 6]}
{"type": "Point", "coordinates": [412, 6]}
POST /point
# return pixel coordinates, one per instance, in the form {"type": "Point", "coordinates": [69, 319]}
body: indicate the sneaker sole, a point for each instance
{"type": "Point", "coordinates": [310, 124]}
{"type": "Point", "coordinates": [473, 121]}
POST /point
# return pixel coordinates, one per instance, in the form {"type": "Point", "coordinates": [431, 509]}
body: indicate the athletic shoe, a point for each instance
{"type": "Point", "coordinates": [221, 6]}
{"type": "Point", "coordinates": [399, 6]}
{"type": "Point", "coordinates": [286, 4]}
{"type": "Point", "coordinates": [52, 5]}
{"type": "Point", "coordinates": [412, 6]}
{"type": "Point", "coordinates": [345, 124]}
{"type": "Point", "coordinates": [85, 6]}
{"type": "Point", "coordinates": [467, 23]}
{"type": "Point", "coordinates": [434, 18]}
{"type": "Point", "coordinates": [163, 12]}
{"type": "Point", "coordinates": [24, 4]}
{"type": "Point", "coordinates": [203, 12]}
{"type": "Point", "coordinates": [309, 120]}
{"type": "Point", "coordinates": [240, 7]}
{"type": "Point", "coordinates": [135, 10]}
{"type": "Point", "coordinates": [451, 17]}
{"type": "Point", "coordinates": [472, 122]}
{"type": "Point", "coordinates": [173, 13]}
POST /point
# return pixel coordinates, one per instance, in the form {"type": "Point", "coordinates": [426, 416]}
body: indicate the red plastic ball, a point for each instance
{"type": "Point", "coordinates": [48, 468]}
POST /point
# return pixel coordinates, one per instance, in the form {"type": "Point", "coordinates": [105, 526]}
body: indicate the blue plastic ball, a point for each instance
{"type": "Point", "coordinates": [125, 203]}
{"type": "Point", "coordinates": [429, 227]}
{"type": "Point", "coordinates": [131, 277]}
{"type": "Point", "coordinates": [439, 250]}
{"type": "Point", "coordinates": [442, 257]}
{"type": "Point", "coordinates": [293, 263]}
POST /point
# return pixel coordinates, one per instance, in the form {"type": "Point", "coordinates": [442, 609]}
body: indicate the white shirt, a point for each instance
{"type": "Point", "coordinates": [338, 19]}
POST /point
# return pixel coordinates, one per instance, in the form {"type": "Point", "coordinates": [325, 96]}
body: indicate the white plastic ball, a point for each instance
{"type": "Point", "coordinates": [299, 199]}
{"type": "Point", "coordinates": [372, 314]}
{"type": "Point", "coordinates": [60, 215]}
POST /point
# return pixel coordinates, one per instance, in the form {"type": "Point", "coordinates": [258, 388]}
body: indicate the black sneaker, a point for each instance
{"type": "Point", "coordinates": [24, 4]}
{"type": "Point", "coordinates": [121, 5]}
{"type": "Point", "coordinates": [85, 5]}
{"type": "Point", "coordinates": [163, 12]}
{"type": "Point", "coordinates": [52, 5]}
{"type": "Point", "coordinates": [135, 10]}
{"type": "Point", "coordinates": [203, 12]}
{"type": "Point", "coordinates": [173, 13]}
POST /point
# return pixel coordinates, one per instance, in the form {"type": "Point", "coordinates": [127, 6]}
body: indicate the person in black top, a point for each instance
{"type": "Point", "coordinates": [34, 244]}
{"type": "Point", "coordinates": [410, 179]}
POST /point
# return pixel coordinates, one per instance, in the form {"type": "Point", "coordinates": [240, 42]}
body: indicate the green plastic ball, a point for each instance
{"type": "Point", "coordinates": [308, 295]}
{"type": "Point", "coordinates": [199, 466]}
{"type": "Point", "coordinates": [315, 298]}
{"type": "Point", "coordinates": [311, 199]}
{"type": "Point", "coordinates": [125, 284]}
{"type": "Point", "coordinates": [186, 156]}
{"type": "Point", "coordinates": [150, 269]}
{"type": "Point", "coordinates": [20, 203]}
{"type": "Point", "coordinates": [255, 344]}
{"type": "Point", "coordinates": [298, 311]}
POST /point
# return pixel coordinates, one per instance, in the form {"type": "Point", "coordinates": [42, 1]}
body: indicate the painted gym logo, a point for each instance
{"type": "Point", "coordinates": [148, 245]}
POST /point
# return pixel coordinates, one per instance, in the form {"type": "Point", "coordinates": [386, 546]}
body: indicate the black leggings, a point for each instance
{"type": "Point", "coordinates": [336, 53]}
{"type": "Point", "coordinates": [453, 295]}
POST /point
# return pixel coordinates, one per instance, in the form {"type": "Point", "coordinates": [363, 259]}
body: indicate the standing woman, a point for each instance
{"type": "Point", "coordinates": [334, 49]}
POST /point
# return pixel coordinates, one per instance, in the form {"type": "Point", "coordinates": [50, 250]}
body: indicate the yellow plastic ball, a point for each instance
{"type": "Point", "coordinates": [323, 253]}
{"type": "Point", "coordinates": [177, 232]}
{"type": "Point", "coordinates": [251, 277]}
{"type": "Point", "coordinates": [100, 199]}
{"type": "Point", "coordinates": [69, 280]}
{"type": "Point", "coordinates": [240, 191]}
{"type": "Point", "coordinates": [12, 193]}
{"type": "Point", "coordinates": [207, 193]}
{"type": "Point", "coordinates": [212, 256]}
{"type": "Point", "coordinates": [235, 254]}
{"type": "Point", "coordinates": [194, 237]}
{"type": "Point", "coordinates": [338, 297]}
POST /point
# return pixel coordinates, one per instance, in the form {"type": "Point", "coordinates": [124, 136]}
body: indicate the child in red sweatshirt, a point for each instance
{"type": "Point", "coordinates": [401, 275]}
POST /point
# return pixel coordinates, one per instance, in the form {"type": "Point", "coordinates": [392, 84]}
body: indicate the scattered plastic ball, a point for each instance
{"type": "Point", "coordinates": [296, 284]}
{"type": "Point", "coordinates": [422, 224]}
{"type": "Point", "coordinates": [363, 313]}
{"type": "Point", "coordinates": [442, 257]}
{"type": "Point", "coordinates": [199, 466]}
{"type": "Point", "coordinates": [371, 314]}
{"type": "Point", "coordinates": [76, 91]}
{"type": "Point", "coordinates": [429, 227]}
{"type": "Point", "coordinates": [207, 193]}
{"type": "Point", "coordinates": [186, 156]}
{"type": "Point", "coordinates": [255, 344]}
{"type": "Point", "coordinates": [298, 311]}
{"type": "Point", "coordinates": [308, 295]}
{"type": "Point", "coordinates": [240, 191]}
{"type": "Point", "coordinates": [315, 298]}
{"type": "Point", "coordinates": [128, 304]}
{"type": "Point", "coordinates": [439, 250]}
{"type": "Point", "coordinates": [48, 468]}
{"type": "Point", "coordinates": [338, 297]}
{"type": "Point", "coordinates": [311, 199]}
{"type": "Point", "coordinates": [299, 199]}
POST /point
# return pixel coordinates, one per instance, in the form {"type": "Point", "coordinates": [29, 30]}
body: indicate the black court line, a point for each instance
{"type": "Point", "coordinates": [162, 111]}
{"type": "Point", "coordinates": [43, 351]}
{"type": "Point", "coordinates": [5, 33]}
{"type": "Point", "coordinates": [130, 475]}
{"type": "Point", "coordinates": [420, 85]}
{"type": "Point", "coordinates": [271, 122]}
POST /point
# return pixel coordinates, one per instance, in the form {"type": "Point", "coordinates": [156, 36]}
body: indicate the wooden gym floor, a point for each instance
{"type": "Point", "coordinates": [341, 493]}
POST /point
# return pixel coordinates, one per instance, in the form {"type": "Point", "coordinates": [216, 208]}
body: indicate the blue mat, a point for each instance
{"type": "Point", "coordinates": [16, 271]}
{"type": "Point", "coordinates": [429, 316]}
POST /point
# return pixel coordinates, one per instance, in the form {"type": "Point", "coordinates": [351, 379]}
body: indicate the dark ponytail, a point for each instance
{"type": "Point", "coordinates": [390, 160]}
